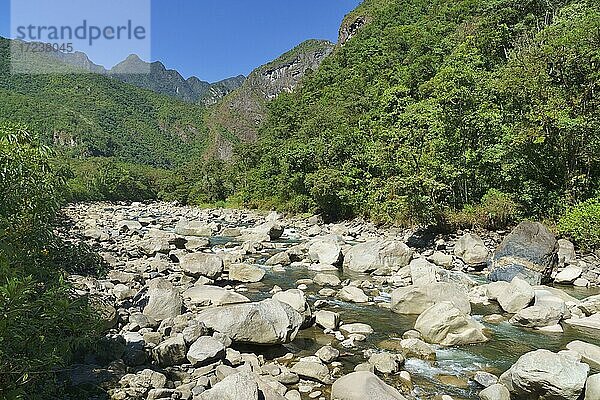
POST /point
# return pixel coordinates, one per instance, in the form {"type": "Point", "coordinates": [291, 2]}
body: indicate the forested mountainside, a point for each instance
{"type": "Point", "coordinates": [237, 116]}
{"type": "Point", "coordinates": [429, 110]}
{"type": "Point", "coordinates": [93, 115]}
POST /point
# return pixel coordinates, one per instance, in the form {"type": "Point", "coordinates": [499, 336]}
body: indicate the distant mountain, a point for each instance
{"type": "Point", "coordinates": [238, 115]}
{"type": "Point", "coordinates": [171, 83]}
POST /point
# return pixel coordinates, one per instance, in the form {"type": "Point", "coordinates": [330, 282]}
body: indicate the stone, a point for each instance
{"type": "Point", "coordinates": [495, 392]}
{"type": "Point", "coordinates": [416, 348]}
{"type": "Point", "coordinates": [352, 294]}
{"type": "Point", "coordinates": [590, 353]}
{"type": "Point", "coordinates": [441, 259]}
{"type": "Point", "coordinates": [363, 385]}
{"type": "Point", "coordinates": [372, 255]}
{"type": "Point", "coordinates": [193, 228]}
{"type": "Point", "coordinates": [202, 264]}
{"type": "Point", "coordinates": [566, 252]}
{"type": "Point", "coordinates": [517, 295]}
{"type": "Point", "coordinates": [591, 323]}
{"type": "Point", "coordinates": [485, 379]}
{"type": "Point", "coordinates": [356, 328]}
{"type": "Point", "coordinates": [233, 387]}
{"type": "Point", "coordinates": [592, 387]}
{"type": "Point", "coordinates": [246, 273]}
{"type": "Point", "coordinates": [537, 316]}
{"type": "Point", "coordinates": [204, 351]}
{"type": "Point", "coordinates": [590, 305]}
{"type": "Point", "coordinates": [326, 251]}
{"type": "Point", "coordinates": [327, 319]}
{"type": "Point", "coordinates": [416, 299]}
{"type": "Point", "coordinates": [530, 252]}
{"type": "Point", "coordinates": [296, 299]}
{"type": "Point", "coordinates": [326, 280]}
{"type": "Point", "coordinates": [213, 296]}
{"type": "Point", "coordinates": [328, 354]}
{"type": "Point", "coordinates": [312, 370]}
{"type": "Point", "coordinates": [546, 375]}
{"type": "Point", "coordinates": [281, 258]}
{"type": "Point", "coordinates": [568, 275]}
{"type": "Point", "coordinates": [164, 301]}
{"type": "Point", "coordinates": [266, 322]}
{"type": "Point", "coordinates": [447, 325]}
{"type": "Point", "coordinates": [385, 363]}
{"type": "Point", "coordinates": [471, 249]}
{"type": "Point", "coordinates": [171, 352]}
{"type": "Point", "coordinates": [422, 272]}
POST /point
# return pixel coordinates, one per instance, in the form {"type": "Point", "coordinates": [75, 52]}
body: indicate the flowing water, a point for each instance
{"type": "Point", "coordinates": [451, 372]}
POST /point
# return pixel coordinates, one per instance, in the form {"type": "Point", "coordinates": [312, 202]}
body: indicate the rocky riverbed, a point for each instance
{"type": "Point", "coordinates": [230, 304]}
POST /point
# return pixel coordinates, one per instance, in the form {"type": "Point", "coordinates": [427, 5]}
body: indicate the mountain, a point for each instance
{"type": "Point", "coordinates": [435, 111]}
{"type": "Point", "coordinates": [171, 83]}
{"type": "Point", "coordinates": [94, 115]}
{"type": "Point", "coordinates": [237, 116]}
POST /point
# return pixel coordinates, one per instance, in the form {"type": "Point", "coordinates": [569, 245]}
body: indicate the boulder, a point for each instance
{"type": "Point", "coordinates": [447, 325]}
{"type": "Point", "coordinates": [356, 328]}
{"type": "Point", "coordinates": [592, 387]}
{"type": "Point", "coordinates": [193, 228]}
{"type": "Point", "coordinates": [363, 385]}
{"type": "Point", "coordinates": [495, 392]}
{"type": "Point", "coordinates": [170, 352]}
{"type": "Point", "coordinates": [471, 249]}
{"type": "Point", "coordinates": [327, 319]}
{"type": "Point", "coordinates": [312, 370]}
{"type": "Point", "coordinates": [205, 295]}
{"type": "Point", "coordinates": [245, 273]}
{"type": "Point", "coordinates": [422, 272]}
{"type": "Point", "coordinates": [566, 252]}
{"type": "Point", "coordinates": [327, 354]}
{"type": "Point", "coordinates": [530, 252]}
{"type": "Point", "coordinates": [326, 251]}
{"type": "Point", "coordinates": [441, 259]}
{"type": "Point", "coordinates": [591, 323]}
{"type": "Point", "coordinates": [352, 294]}
{"type": "Point", "coordinates": [416, 348]}
{"type": "Point", "coordinates": [485, 379]}
{"type": "Point", "coordinates": [295, 298]}
{"type": "Point", "coordinates": [568, 275]}
{"type": "Point", "coordinates": [537, 316]}
{"type": "Point", "coordinates": [205, 350]}
{"type": "Point", "coordinates": [590, 353]}
{"type": "Point", "coordinates": [266, 322]}
{"type": "Point", "coordinates": [241, 386]}
{"type": "Point", "coordinates": [272, 230]}
{"type": "Point", "coordinates": [372, 255]}
{"type": "Point", "coordinates": [202, 264]}
{"type": "Point", "coordinates": [386, 363]}
{"type": "Point", "coordinates": [164, 301]}
{"type": "Point", "coordinates": [326, 280]}
{"type": "Point", "coordinates": [516, 296]}
{"type": "Point", "coordinates": [546, 375]}
{"type": "Point", "coordinates": [590, 305]}
{"type": "Point", "coordinates": [281, 258]}
{"type": "Point", "coordinates": [416, 299]}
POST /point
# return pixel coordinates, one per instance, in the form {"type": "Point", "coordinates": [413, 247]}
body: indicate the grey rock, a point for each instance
{"type": "Point", "coordinates": [204, 351]}
{"type": "Point", "coordinates": [170, 352]}
{"type": "Point", "coordinates": [202, 264]}
{"type": "Point", "coordinates": [447, 325]}
{"type": "Point", "coordinates": [213, 295]}
{"type": "Point", "coordinates": [246, 273]}
{"type": "Point", "coordinates": [416, 299]}
{"type": "Point", "coordinates": [495, 392]}
{"type": "Point", "coordinates": [372, 255]}
{"type": "Point", "coordinates": [164, 301]}
{"type": "Point", "coordinates": [363, 385]}
{"type": "Point", "coordinates": [471, 249]}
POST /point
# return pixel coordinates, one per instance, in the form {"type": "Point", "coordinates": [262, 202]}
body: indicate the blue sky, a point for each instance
{"type": "Point", "coordinates": [215, 39]}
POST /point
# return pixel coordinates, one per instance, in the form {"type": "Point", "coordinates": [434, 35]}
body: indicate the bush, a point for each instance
{"type": "Point", "coordinates": [43, 324]}
{"type": "Point", "coordinates": [495, 211]}
{"type": "Point", "coordinates": [582, 224]}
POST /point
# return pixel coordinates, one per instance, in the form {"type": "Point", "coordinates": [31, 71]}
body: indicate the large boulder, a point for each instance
{"type": "Point", "coordinates": [447, 325]}
{"type": "Point", "coordinates": [542, 374]}
{"type": "Point", "coordinates": [363, 385]}
{"type": "Point", "coordinates": [530, 252]}
{"type": "Point", "coordinates": [352, 294]}
{"type": "Point", "coordinates": [416, 299]}
{"type": "Point", "coordinates": [205, 295]}
{"type": "Point", "coordinates": [516, 296]}
{"type": "Point", "coordinates": [422, 272]}
{"type": "Point", "coordinates": [246, 273]}
{"type": "Point", "coordinates": [204, 351]}
{"type": "Point", "coordinates": [164, 301]}
{"type": "Point", "coordinates": [326, 251]}
{"type": "Point", "coordinates": [313, 370]}
{"type": "Point", "coordinates": [266, 322]}
{"type": "Point", "coordinates": [590, 353]}
{"type": "Point", "coordinates": [296, 299]}
{"type": "Point", "coordinates": [193, 228]}
{"type": "Point", "coordinates": [241, 386]}
{"type": "Point", "coordinates": [471, 249]}
{"type": "Point", "coordinates": [537, 316]}
{"type": "Point", "coordinates": [170, 352]}
{"type": "Point", "coordinates": [495, 392]}
{"type": "Point", "coordinates": [202, 264]}
{"type": "Point", "coordinates": [372, 255]}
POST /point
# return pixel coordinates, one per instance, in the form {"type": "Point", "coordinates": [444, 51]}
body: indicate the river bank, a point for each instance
{"type": "Point", "coordinates": [203, 304]}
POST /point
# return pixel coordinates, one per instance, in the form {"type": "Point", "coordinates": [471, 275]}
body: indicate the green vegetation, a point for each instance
{"type": "Point", "coordinates": [431, 106]}
{"type": "Point", "coordinates": [92, 115]}
{"type": "Point", "coordinates": [43, 325]}
{"type": "Point", "coordinates": [582, 224]}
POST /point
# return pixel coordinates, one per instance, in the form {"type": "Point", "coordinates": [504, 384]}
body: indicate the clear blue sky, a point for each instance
{"type": "Point", "coordinates": [215, 39]}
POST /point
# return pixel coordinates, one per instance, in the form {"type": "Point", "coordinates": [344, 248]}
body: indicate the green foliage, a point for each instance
{"type": "Point", "coordinates": [432, 109]}
{"type": "Point", "coordinates": [95, 116]}
{"type": "Point", "coordinates": [496, 210]}
{"type": "Point", "coordinates": [582, 223]}
{"type": "Point", "coordinates": [43, 324]}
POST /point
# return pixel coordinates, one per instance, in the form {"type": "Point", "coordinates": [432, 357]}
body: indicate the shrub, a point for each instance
{"type": "Point", "coordinates": [582, 224]}
{"type": "Point", "coordinates": [495, 211]}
